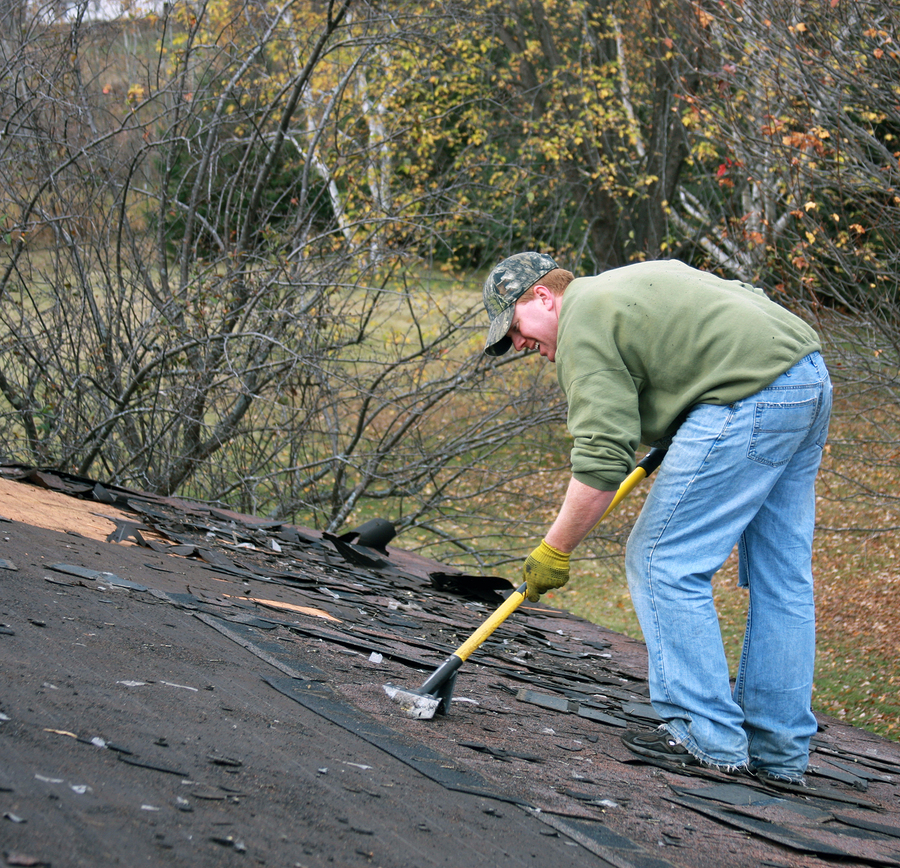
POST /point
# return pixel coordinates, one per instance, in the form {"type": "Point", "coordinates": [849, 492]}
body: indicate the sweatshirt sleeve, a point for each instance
{"type": "Point", "coordinates": [604, 421]}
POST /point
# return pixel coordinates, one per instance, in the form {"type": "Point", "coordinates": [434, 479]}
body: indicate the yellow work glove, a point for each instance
{"type": "Point", "coordinates": [545, 568]}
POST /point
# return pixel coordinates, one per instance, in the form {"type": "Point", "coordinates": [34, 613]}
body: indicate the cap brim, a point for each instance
{"type": "Point", "coordinates": [497, 342]}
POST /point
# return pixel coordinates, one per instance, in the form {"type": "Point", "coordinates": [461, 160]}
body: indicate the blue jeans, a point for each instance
{"type": "Point", "coordinates": [740, 474]}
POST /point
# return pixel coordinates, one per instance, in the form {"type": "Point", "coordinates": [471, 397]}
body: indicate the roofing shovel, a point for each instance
{"type": "Point", "coordinates": [434, 696]}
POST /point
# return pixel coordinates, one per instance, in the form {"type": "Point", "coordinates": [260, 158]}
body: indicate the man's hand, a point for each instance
{"type": "Point", "coordinates": [545, 568]}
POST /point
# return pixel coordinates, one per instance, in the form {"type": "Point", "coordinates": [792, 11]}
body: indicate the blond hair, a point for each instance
{"type": "Point", "coordinates": [556, 281]}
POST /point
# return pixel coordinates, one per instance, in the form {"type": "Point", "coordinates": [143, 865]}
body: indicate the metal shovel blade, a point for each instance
{"type": "Point", "coordinates": [414, 705]}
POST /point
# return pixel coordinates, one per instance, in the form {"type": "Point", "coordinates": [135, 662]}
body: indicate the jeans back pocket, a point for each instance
{"type": "Point", "coordinates": [779, 428]}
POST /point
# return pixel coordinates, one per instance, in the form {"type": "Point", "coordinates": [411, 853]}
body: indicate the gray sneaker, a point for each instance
{"type": "Point", "coordinates": [659, 745]}
{"type": "Point", "coordinates": [781, 782]}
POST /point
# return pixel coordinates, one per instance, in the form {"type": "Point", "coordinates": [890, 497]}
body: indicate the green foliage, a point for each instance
{"type": "Point", "coordinates": [544, 127]}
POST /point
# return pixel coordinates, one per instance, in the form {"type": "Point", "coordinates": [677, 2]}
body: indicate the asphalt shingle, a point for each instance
{"type": "Point", "coordinates": [189, 686]}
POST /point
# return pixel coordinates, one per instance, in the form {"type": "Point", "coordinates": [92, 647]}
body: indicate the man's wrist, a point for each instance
{"type": "Point", "coordinates": [551, 555]}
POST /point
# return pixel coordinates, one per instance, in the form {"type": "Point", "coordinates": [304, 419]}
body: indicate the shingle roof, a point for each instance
{"type": "Point", "coordinates": [182, 682]}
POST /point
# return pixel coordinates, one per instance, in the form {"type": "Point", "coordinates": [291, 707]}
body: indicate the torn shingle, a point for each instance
{"type": "Point", "coordinates": [583, 678]}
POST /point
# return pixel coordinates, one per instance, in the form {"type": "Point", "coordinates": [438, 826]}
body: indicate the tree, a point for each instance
{"type": "Point", "coordinates": [571, 130]}
{"type": "Point", "coordinates": [199, 296]}
{"type": "Point", "coordinates": [797, 132]}
{"type": "Point", "coordinates": [794, 183]}
{"type": "Point", "coordinates": [238, 236]}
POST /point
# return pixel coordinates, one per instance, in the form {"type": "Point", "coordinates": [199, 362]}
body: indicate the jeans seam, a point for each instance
{"type": "Point", "coordinates": [739, 683]}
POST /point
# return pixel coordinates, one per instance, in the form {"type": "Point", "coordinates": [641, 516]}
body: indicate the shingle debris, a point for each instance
{"type": "Point", "coordinates": [548, 694]}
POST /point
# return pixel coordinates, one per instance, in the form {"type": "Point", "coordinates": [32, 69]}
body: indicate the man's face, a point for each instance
{"type": "Point", "coordinates": [536, 322]}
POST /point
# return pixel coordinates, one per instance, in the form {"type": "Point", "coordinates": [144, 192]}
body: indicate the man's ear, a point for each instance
{"type": "Point", "coordinates": [548, 299]}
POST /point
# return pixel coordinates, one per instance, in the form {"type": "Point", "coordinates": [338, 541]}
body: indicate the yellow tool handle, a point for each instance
{"type": "Point", "coordinates": [509, 605]}
{"type": "Point", "coordinates": [650, 462]}
{"type": "Point", "coordinates": [637, 475]}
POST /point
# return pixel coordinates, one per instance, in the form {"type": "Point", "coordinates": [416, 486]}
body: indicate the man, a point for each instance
{"type": "Point", "coordinates": [660, 353]}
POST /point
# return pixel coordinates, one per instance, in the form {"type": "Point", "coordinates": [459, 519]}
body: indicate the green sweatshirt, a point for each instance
{"type": "Point", "coordinates": [639, 346]}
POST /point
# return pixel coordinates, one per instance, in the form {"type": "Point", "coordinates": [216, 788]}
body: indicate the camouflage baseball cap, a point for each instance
{"type": "Point", "coordinates": [504, 285]}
